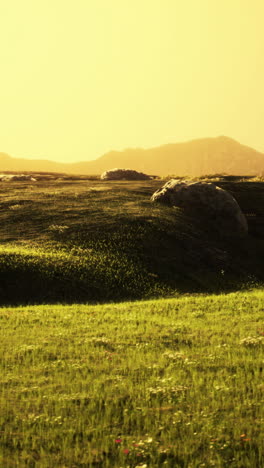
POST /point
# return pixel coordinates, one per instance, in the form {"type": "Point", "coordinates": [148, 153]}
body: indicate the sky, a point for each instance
{"type": "Point", "coordinates": [79, 78]}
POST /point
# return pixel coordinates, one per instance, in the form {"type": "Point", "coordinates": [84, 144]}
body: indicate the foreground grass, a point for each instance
{"type": "Point", "coordinates": [176, 382]}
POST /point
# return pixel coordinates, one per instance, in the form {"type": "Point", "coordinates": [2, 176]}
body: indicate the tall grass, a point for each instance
{"type": "Point", "coordinates": [175, 383]}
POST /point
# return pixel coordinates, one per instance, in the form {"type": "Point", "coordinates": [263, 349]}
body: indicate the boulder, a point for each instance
{"type": "Point", "coordinates": [124, 174]}
{"type": "Point", "coordinates": [211, 204]}
{"type": "Point", "coordinates": [16, 177]}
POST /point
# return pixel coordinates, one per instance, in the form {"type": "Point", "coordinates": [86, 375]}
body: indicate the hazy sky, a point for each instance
{"type": "Point", "coordinates": [79, 78]}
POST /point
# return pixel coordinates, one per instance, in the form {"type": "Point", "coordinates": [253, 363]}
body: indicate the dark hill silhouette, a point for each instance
{"type": "Point", "coordinates": [197, 157]}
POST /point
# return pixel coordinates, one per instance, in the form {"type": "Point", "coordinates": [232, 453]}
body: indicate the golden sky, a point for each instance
{"type": "Point", "coordinates": [81, 77]}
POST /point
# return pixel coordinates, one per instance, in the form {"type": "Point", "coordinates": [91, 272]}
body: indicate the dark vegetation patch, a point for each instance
{"type": "Point", "coordinates": [81, 239]}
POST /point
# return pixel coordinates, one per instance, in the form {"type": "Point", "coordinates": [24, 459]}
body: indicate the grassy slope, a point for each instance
{"type": "Point", "coordinates": [175, 383]}
{"type": "Point", "coordinates": [68, 241]}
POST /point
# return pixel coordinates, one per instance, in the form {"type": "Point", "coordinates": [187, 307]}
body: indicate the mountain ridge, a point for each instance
{"type": "Point", "coordinates": [195, 157]}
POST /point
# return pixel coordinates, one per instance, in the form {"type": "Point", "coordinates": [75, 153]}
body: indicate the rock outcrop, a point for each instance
{"type": "Point", "coordinates": [205, 201]}
{"type": "Point", "coordinates": [124, 174]}
{"type": "Point", "coordinates": [16, 178]}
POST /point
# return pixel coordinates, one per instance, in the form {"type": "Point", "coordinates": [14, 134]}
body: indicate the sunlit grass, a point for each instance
{"type": "Point", "coordinates": [176, 382]}
{"type": "Point", "coordinates": [172, 382]}
{"type": "Point", "coordinates": [47, 275]}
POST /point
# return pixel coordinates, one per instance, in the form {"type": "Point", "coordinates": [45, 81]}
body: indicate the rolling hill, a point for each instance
{"type": "Point", "coordinates": [193, 158]}
{"type": "Point", "coordinates": [91, 240]}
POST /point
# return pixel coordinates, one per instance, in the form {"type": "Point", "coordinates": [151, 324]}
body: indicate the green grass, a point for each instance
{"type": "Point", "coordinates": [93, 241]}
{"type": "Point", "coordinates": [172, 382]}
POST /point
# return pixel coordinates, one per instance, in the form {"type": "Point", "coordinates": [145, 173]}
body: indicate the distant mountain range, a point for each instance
{"type": "Point", "coordinates": [220, 155]}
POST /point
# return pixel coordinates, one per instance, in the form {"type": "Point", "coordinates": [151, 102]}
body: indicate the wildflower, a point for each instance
{"type": "Point", "coordinates": [126, 451]}
{"type": "Point", "coordinates": [244, 438]}
{"type": "Point", "coordinates": [118, 441]}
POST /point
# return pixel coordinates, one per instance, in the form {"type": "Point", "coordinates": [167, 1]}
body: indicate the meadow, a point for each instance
{"type": "Point", "coordinates": [66, 241]}
{"type": "Point", "coordinates": [131, 335]}
{"type": "Point", "coordinates": [171, 382]}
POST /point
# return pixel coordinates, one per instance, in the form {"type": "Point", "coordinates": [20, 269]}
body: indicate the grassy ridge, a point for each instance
{"type": "Point", "coordinates": [31, 275]}
{"type": "Point", "coordinates": [88, 240]}
{"type": "Point", "coordinates": [175, 383]}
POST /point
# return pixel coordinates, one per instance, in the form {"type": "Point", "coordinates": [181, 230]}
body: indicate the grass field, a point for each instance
{"type": "Point", "coordinates": [92, 241]}
{"type": "Point", "coordinates": [175, 383]}
{"type": "Point", "coordinates": [124, 349]}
